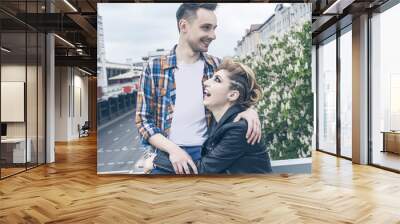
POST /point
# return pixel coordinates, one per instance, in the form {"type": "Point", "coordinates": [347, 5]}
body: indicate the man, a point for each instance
{"type": "Point", "coordinates": [170, 114]}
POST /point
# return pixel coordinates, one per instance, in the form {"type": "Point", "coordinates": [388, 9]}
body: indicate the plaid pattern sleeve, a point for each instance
{"type": "Point", "coordinates": [145, 106]}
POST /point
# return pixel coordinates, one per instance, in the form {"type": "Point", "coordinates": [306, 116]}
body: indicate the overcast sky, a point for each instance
{"type": "Point", "coordinates": [131, 30]}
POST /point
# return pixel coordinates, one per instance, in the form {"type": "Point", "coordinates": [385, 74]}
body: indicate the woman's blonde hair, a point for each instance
{"type": "Point", "coordinates": [243, 80]}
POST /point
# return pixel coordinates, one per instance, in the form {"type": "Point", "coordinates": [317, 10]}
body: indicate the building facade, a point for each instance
{"type": "Point", "coordinates": [284, 19]}
{"type": "Point", "coordinates": [101, 58]}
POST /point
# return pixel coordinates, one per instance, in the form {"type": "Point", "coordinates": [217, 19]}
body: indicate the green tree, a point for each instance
{"type": "Point", "coordinates": [283, 70]}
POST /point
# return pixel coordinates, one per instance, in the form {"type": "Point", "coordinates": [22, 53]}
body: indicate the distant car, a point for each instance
{"type": "Point", "coordinates": [127, 89]}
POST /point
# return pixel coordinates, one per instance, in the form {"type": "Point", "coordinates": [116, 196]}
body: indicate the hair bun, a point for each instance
{"type": "Point", "coordinates": [243, 79]}
{"type": "Point", "coordinates": [255, 94]}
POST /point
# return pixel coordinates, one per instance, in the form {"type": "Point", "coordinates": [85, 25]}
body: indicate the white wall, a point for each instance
{"type": "Point", "coordinates": [14, 72]}
{"type": "Point", "coordinates": [61, 103]}
{"type": "Point", "coordinates": [33, 126]}
{"type": "Point", "coordinates": [71, 87]}
{"type": "Point", "coordinates": [80, 94]}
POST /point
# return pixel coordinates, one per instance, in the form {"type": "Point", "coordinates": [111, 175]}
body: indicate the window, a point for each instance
{"type": "Point", "coordinates": [22, 63]}
{"type": "Point", "coordinates": [327, 95]}
{"type": "Point", "coordinates": [385, 89]}
{"type": "Point", "coordinates": [346, 93]}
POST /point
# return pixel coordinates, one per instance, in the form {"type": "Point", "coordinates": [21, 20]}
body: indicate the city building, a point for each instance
{"type": "Point", "coordinates": [249, 42]}
{"type": "Point", "coordinates": [156, 53]}
{"type": "Point", "coordinates": [101, 55]}
{"type": "Point", "coordinates": [120, 77]}
{"type": "Point", "coordinates": [124, 83]}
{"type": "Point", "coordinates": [284, 19]}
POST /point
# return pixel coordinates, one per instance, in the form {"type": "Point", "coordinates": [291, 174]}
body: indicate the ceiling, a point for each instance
{"type": "Point", "coordinates": [328, 16]}
{"type": "Point", "coordinates": [74, 22]}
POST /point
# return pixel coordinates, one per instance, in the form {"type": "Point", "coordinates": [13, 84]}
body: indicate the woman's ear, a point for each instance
{"type": "Point", "coordinates": [233, 95]}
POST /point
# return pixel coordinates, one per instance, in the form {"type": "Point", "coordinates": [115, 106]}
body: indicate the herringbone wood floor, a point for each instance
{"type": "Point", "coordinates": [70, 191]}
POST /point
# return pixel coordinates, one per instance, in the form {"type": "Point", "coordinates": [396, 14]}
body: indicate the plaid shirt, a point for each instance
{"type": "Point", "coordinates": [157, 93]}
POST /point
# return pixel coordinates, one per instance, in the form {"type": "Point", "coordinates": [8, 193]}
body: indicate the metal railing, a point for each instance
{"type": "Point", "coordinates": [114, 107]}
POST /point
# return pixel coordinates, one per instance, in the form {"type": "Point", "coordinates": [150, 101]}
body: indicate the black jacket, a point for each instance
{"type": "Point", "coordinates": [226, 150]}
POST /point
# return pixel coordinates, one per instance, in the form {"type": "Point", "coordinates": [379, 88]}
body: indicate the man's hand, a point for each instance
{"type": "Point", "coordinates": [253, 134]}
{"type": "Point", "coordinates": [148, 164]}
{"type": "Point", "coordinates": [180, 160]}
{"type": "Point", "coordinates": [178, 157]}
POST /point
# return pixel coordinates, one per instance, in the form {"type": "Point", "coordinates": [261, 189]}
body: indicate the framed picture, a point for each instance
{"type": "Point", "coordinates": [193, 88]}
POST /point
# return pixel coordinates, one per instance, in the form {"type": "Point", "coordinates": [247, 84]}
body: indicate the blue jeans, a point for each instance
{"type": "Point", "coordinates": [193, 151]}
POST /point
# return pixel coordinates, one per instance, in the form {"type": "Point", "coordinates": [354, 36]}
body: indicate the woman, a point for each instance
{"type": "Point", "coordinates": [232, 90]}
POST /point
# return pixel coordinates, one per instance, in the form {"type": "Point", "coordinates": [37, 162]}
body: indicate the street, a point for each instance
{"type": "Point", "coordinates": [118, 146]}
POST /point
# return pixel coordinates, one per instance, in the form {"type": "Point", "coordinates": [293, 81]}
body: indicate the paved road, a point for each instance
{"type": "Point", "coordinates": [118, 146]}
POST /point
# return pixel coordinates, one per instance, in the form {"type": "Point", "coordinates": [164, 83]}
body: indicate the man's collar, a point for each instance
{"type": "Point", "coordinates": [169, 61]}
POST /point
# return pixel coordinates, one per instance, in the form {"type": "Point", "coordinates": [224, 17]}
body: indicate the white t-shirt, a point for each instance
{"type": "Point", "coordinates": [189, 124]}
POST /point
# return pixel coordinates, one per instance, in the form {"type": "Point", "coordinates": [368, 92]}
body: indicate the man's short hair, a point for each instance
{"type": "Point", "coordinates": [188, 10]}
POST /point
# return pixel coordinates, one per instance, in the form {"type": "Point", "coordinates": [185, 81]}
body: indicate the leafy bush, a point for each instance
{"type": "Point", "coordinates": [283, 70]}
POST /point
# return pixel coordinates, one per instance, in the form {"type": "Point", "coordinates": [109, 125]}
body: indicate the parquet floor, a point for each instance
{"type": "Point", "coordinates": [9, 171]}
{"type": "Point", "coordinates": [70, 191]}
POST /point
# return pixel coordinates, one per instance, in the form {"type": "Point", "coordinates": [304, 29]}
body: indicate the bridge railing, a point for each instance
{"type": "Point", "coordinates": [114, 107]}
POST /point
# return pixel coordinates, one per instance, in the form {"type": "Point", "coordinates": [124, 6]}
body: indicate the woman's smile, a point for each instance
{"type": "Point", "coordinates": [206, 93]}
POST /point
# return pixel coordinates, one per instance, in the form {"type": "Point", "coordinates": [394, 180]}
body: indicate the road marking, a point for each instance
{"type": "Point", "coordinates": [110, 164]}
{"type": "Point", "coordinates": [128, 130]}
{"type": "Point", "coordinates": [116, 139]}
{"type": "Point", "coordinates": [109, 132]}
{"type": "Point", "coordinates": [124, 148]}
{"type": "Point", "coordinates": [130, 162]}
{"type": "Point", "coordinates": [121, 163]}
{"type": "Point", "coordinates": [109, 150]}
{"type": "Point", "coordinates": [137, 137]}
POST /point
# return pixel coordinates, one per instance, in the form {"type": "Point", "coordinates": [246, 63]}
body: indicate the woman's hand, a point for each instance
{"type": "Point", "coordinates": [180, 161]}
{"type": "Point", "coordinates": [253, 134]}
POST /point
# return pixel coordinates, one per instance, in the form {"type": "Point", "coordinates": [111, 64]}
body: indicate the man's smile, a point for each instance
{"type": "Point", "coordinates": [206, 42]}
